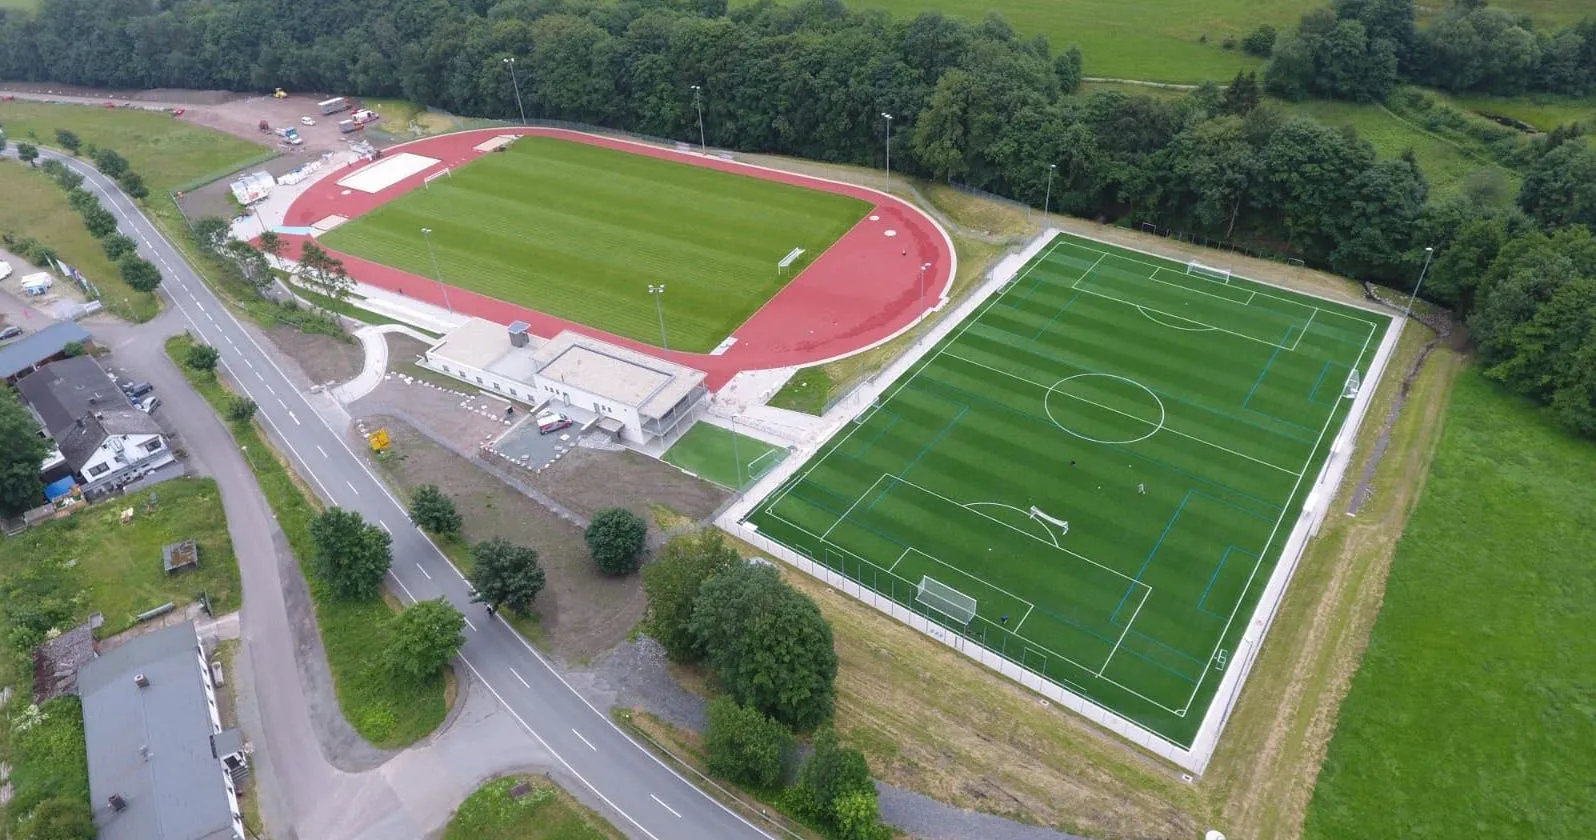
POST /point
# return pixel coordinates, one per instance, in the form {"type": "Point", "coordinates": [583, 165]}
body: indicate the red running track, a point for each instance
{"type": "Point", "coordinates": [864, 289]}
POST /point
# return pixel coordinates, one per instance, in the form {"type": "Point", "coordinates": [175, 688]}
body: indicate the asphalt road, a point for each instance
{"type": "Point", "coordinates": [644, 796]}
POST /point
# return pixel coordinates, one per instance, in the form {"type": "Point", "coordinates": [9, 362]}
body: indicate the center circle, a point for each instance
{"type": "Point", "coordinates": [1073, 406]}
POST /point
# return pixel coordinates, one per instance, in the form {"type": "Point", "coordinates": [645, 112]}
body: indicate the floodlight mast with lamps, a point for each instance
{"type": "Point", "coordinates": [889, 150]}
{"type": "Point", "coordinates": [698, 105]}
{"type": "Point", "coordinates": [426, 234]}
{"type": "Point", "coordinates": [510, 62]}
{"type": "Point", "coordinates": [658, 291]}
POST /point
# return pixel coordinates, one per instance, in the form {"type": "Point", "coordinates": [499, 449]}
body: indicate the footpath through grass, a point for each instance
{"type": "Point", "coordinates": [723, 456]}
{"type": "Point", "coordinates": [582, 232]}
{"type": "Point", "coordinates": [545, 812]}
{"type": "Point", "coordinates": [1472, 714]}
{"type": "Point", "coordinates": [386, 710]}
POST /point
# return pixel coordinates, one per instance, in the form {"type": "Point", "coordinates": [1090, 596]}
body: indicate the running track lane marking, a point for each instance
{"type": "Point", "coordinates": [423, 572]}
{"type": "Point", "coordinates": [595, 749]}
{"type": "Point", "coordinates": [661, 803]}
{"type": "Point", "coordinates": [521, 678]}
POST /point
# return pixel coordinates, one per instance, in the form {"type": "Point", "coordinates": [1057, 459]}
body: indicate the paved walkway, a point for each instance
{"type": "Point", "coordinates": [375, 342]}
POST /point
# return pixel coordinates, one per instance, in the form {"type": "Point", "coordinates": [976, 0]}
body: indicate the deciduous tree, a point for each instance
{"type": "Point", "coordinates": [140, 275]}
{"type": "Point", "coordinates": [506, 575]}
{"type": "Point", "coordinates": [202, 357]}
{"type": "Point", "coordinates": [68, 140]}
{"type": "Point", "coordinates": [616, 538]}
{"type": "Point", "coordinates": [672, 582]}
{"type": "Point", "coordinates": [352, 555]}
{"type": "Point", "coordinates": [22, 451]}
{"type": "Point", "coordinates": [27, 153]}
{"type": "Point", "coordinates": [424, 638]}
{"type": "Point", "coordinates": [432, 510]}
{"type": "Point", "coordinates": [744, 745]}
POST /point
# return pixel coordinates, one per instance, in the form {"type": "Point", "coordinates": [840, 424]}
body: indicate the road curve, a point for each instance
{"type": "Point", "coordinates": [645, 797]}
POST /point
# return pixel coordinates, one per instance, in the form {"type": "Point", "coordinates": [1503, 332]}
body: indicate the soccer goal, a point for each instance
{"type": "Point", "coordinates": [946, 600]}
{"type": "Point", "coordinates": [1212, 273]}
{"type": "Point", "coordinates": [1354, 382]}
{"type": "Point", "coordinates": [446, 172]}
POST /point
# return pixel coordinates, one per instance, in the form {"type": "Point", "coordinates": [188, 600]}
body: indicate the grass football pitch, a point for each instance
{"type": "Point", "coordinates": [1107, 457]}
{"type": "Point", "coordinates": [581, 232]}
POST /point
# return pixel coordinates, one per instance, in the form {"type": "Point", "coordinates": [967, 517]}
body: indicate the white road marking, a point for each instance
{"type": "Point", "coordinates": [663, 805]}
{"type": "Point", "coordinates": [281, 403]}
{"type": "Point", "coordinates": [353, 487]}
{"type": "Point", "coordinates": [322, 451]}
{"type": "Point", "coordinates": [270, 388]}
{"type": "Point", "coordinates": [423, 572]}
{"type": "Point", "coordinates": [258, 376]}
{"type": "Point", "coordinates": [385, 526]}
{"type": "Point", "coordinates": [292, 417]}
{"type": "Point", "coordinates": [473, 629]}
{"type": "Point", "coordinates": [523, 680]}
{"type": "Point", "coordinates": [595, 749]}
{"type": "Point", "coordinates": [197, 303]}
{"type": "Point", "coordinates": [249, 364]}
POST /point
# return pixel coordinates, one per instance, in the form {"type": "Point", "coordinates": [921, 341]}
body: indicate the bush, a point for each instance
{"type": "Point", "coordinates": [744, 746]}
{"type": "Point", "coordinates": [434, 511]}
{"type": "Point", "coordinates": [117, 246]}
{"type": "Point", "coordinates": [1260, 42]}
{"type": "Point", "coordinates": [835, 790]}
{"type": "Point", "coordinates": [68, 140]}
{"type": "Point", "coordinates": [133, 185]}
{"type": "Point", "coordinates": [202, 357]}
{"type": "Point", "coordinates": [59, 818]}
{"type": "Point", "coordinates": [241, 409]}
{"type": "Point", "coordinates": [615, 538]}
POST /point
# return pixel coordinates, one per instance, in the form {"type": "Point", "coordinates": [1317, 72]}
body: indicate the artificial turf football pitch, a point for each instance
{"type": "Point", "coordinates": [1174, 421]}
{"type": "Point", "coordinates": [580, 232]}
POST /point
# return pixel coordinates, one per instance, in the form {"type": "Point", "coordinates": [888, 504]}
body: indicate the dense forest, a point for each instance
{"type": "Point", "coordinates": [972, 103]}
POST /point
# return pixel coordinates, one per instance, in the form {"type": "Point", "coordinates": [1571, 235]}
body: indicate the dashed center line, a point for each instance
{"type": "Point", "coordinates": [519, 677]}
{"type": "Point", "coordinates": [469, 624]}
{"type": "Point", "coordinates": [661, 803]}
{"type": "Point", "coordinates": [295, 419]}
{"type": "Point", "coordinates": [353, 487]}
{"type": "Point", "coordinates": [385, 526]}
{"type": "Point", "coordinates": [322, 451]}
{"type": "Point", "coordinates": [281, 403]}
{"type": "Point", "coordinates": [595, 749]}
{"type": "Point", "coordinates": [423, 572]}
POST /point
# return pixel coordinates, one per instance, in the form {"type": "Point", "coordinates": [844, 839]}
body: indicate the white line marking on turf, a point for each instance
{"type": "Point", "coordinates": [663, 805]}
{"type": "Point", "coordinates": [595, 749]}
{"type": "Point", "coordinates": [854, 505]}
{"type": "Point", "coordinates": [519, 677]}
{"type": "Point", "coordinates": [1022, 620]}
{"type": "Point", "coordinates": [1126, 631]}
{"type": "Point", "coordinates": [423, 572]}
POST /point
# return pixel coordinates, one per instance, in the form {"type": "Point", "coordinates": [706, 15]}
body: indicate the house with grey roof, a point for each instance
{"type": "Point", "coordinates": [102, 437]}
{"type": "Point", "coordinates": [160, 765]}
{"type": "Point", "coordinates": [26, 354]}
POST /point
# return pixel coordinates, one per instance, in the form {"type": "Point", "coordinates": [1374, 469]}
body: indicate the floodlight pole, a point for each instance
{"type": "Point", "coordinates": [1428, 253]}
{"type": "Point", "coordinates": [510, 61]}
{"type": "Point", "coordinates": [698, 105]}
{"type": "Point", "coordinates": [659, 292]}
{"type": "Point", "coordinates": [1048, 199]}
{"type": "Point", "coordinates": [426, 234]}
{"type": "Point", "coordinates": [923, 267]}
{"type": "Point", "coordinates": [889, 150]}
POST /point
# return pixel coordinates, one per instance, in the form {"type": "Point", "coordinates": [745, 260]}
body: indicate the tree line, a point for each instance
{"type": "Point", "coordinates": [1360, 49]}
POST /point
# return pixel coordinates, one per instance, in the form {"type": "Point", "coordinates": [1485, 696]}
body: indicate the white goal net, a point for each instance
{"type": "Point", "coordinates": [946, 600]}
{"type": "Point", "coordinates": [1354, 382]}
{"type": "Point", "coordinates": [1208, 271]}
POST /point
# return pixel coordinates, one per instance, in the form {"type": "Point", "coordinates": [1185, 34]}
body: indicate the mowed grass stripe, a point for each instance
{"type": "Point", "coordinates": [1246, 423]}
{"type": "Point", "coordinates": [580, 232]}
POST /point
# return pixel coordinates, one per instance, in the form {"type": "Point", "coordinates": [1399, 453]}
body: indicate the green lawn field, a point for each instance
{"type": "Point", "coordinates": [1161, 40]}
{"type": "Point", "coordinates": [581, 232]}
{"type": "Point", "coordinates": [722, 456]}
{"type": "Point", "coordinates": [1107, 457]}
{"type": "Point", "coordinates": [1477, 686]}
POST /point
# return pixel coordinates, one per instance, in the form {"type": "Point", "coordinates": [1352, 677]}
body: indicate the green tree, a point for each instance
{"type": "Point", "coordinates": [22, 451]}
{"type": "Point", "coordinates": [424, 638]}
{"type": "Point", "coordinates": [858, 817]}
{"type": "Point", "coordinates": [1260, 42]}
{"type": "Point", "coordinates": [59, 818]}
{"type": "Point", "coordinates": [99, 221]}
{"type": "Point", "coordinates": [616, 538]}
{"type": "Point", "coordinates": [768, 644]}
{"type": "Point", "coordinates": [1560, 189]}
{"type": "Point", "coordinates": [672, 582]}
{"type": "Point", "coordinates": [27, 153]}
{"type": "Point", "coordinates": [829, 782]}
{"type": "Point", "coordinates": [133, 184]}
{"type": "Point", "coordinates": [505, 575]}
{"type": "Point", "coordinates": [211, 232]}
{"type": "Point", "coordinates": [352, 555]}
{"type": "Point", "coordinates": [744, 745]}
{"type": "Point", "coordinates": [271, 244]}
{"type": "Point", "coordinates": [117, 246]}
{"type": "Point", "coordinates": [241, 409]}
{"type": "Point", "coordinates": [432, 510]}
{"type": "Point", "coordinates": [111, 164]}
{"type": "Point", "coordinates": [202, 357]}
{"type": "Point", "coordinates": [1243, 95]}
{"type": "Point", "coordinates": [140, 274]}
{"type": "Point", "coordinates": [67, 140]}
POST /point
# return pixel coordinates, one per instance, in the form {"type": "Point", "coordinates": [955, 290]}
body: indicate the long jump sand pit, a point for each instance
{"type": "Point", "coordinates": [387, 172]}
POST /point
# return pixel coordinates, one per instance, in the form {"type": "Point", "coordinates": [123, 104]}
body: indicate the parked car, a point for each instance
{"type": "Point", "coordinates": [306, 121]}
{"type": "Point", "coordinates": [134, 390]}
{"type": "Point", "coordinates": [552, 421]}
{"type": "Point", "coordinates": [10, 332]}
{"type": "Point", "coordinates": [148, 404]}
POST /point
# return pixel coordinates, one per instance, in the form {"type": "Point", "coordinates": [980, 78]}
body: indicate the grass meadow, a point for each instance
{"type": "Point", "coordinates": [1164, 40]}
{"type": "Point", "coordinates": [545, 813]}
{"type": "Point", "coordinates": [582, 232]}
{"type": "Point", "coordinates": [1106, 458]}
{"type": "Point", "coordinates": [1471, 715]}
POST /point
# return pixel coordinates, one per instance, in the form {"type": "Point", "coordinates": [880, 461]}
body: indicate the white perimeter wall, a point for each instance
{"type": "Point", "coordinates": [1194, 759]}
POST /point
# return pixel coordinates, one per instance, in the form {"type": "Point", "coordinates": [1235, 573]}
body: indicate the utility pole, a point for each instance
{"type": "Point", "coordinates": [889, 150]}
{"type": "Point", "coordinates": [698, 105]}
{"type": "Point", "coordinates": [510, 62]}
{"type": "Point", "coordinates": [1046, 202]}
{"type": "Point", "coordinates": [426, 234]}
{"type": "Point", "coordinates": [1428, 253]}
{"type": "Point", "coordinates": [923, 267]}
{"type": "Point", "coordinates": [659, 293]}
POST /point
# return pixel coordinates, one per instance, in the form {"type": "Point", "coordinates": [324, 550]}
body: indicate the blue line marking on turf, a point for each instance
{"type": "Point", "coordinates": [1044, 327]}
{"type": "Point", "coordinates": [1322, 371]}
{"type": "Point", "coordinates": [1265, 371]}
{"type": "Point", "coordinates": [892, 420]}
{"type": "Point", "coordinates": [1114, 616]}
{"type": "Point", "coordinates": [1213, 577]}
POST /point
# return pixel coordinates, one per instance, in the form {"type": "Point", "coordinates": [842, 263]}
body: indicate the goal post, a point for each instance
{"type": "Point", "coordinates": [946, 600]}
{"type": "Point", "coordinates": [1354, 383]}
{"type": "Point", "coordinates": [446, 172]}
{"type": "Point", "coordinates": [1212, 273]}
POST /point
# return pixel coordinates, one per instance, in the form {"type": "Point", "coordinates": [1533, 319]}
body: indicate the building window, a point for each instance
{"type": "Point", "coordinates": [99, 469]}
{"type": "Point", "coordinates": [445, 368]}
{"type": "Point", "coordinates": [513, 393]}
{"type": "Point", "coordinates": [479, 380]}
{"type": "Point", "coordinates": [153, 446]}
{"type": "Point", "coordinates": [496, 386]}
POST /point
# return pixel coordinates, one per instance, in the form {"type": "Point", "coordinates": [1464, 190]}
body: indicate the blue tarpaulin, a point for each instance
{"type": "Point", "coordinates": [60, 488]}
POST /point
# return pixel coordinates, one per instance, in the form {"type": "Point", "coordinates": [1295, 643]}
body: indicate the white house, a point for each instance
{"type": "Point", "coordinates": [104, 439]}
{"type": "Point", "coordinates": [633, 395]}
